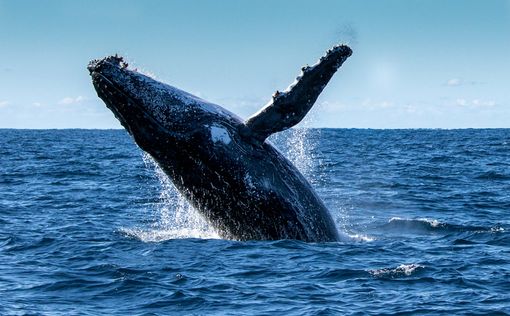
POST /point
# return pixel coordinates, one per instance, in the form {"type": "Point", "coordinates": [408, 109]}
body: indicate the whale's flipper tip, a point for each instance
{"type": "Point", "coordinates": [289, 107]}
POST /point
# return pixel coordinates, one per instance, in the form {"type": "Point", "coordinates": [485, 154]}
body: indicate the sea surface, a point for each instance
{"type": "Point", "coordinates": [90, 226]}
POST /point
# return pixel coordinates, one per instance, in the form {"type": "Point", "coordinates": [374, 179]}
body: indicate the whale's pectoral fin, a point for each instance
{"type": "Point", "coordinates": [289, 107]}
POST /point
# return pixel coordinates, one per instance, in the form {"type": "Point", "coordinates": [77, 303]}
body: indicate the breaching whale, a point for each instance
{"type": "Point", "coordinates": [244, 187]}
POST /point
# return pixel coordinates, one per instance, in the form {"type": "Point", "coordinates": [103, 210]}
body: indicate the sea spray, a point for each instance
{"type": "Point", "coordinates": [174, 216]}
{"type": "Point", "coordinates": [298, 145]}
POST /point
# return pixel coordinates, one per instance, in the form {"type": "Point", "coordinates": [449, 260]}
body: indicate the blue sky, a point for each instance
{"type": "Point", "coordinates": [416, 64]}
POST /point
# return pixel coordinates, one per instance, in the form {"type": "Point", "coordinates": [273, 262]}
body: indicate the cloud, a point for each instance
{"type": "Point", "coordinates": [483, 103]}
{"type": "Point", "coordinates": [381, 104]}
{"type": "Point", "coordinates": [4, 104]}
{"type": "Point", "coordinates": [461, 102]}
{"type": "Point", "coordinates": [410, 108]}
{"type": "Point", "coordinates": [475, 103]}
{"type": "Point", "coordinates": [455, 82]}
{"type": "Point", "coordinates": [70, 100]}
{"type": "Point", "coordinates": [244, 106]}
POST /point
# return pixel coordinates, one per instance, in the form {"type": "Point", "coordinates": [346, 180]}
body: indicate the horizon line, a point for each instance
{"type": "Point", "coordinates": [311, 128]}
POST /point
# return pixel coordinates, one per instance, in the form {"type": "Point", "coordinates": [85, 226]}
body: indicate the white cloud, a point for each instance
{"type": "Point", "coordinates": [384, 104]}
{"type": "Point", "coordinates": [454, 82]}
{"type": "Point", "coordinates": [244, 106]}
{"type": "Point", "coordinates": [461, 102]}
{"type": "Point", "coordinates": [70, 100]}
{"type": "Point", "coordinates": [409, 108]}
{"type": "Point", "coordinates": [475, 103]}
{"type": "Point", "coordinates": [328, 106]}
{"type": "Point", "coordinates": [483, 103]}
{"type": "Point", "coordinates": [4, 104]}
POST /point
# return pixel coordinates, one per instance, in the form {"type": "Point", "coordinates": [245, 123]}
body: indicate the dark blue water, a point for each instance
{"type": "Point", "coordinates": [89, 226]}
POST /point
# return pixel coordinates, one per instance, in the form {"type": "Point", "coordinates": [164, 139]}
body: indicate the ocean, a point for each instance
{"type": "Point", "coordinates": [89, 225]}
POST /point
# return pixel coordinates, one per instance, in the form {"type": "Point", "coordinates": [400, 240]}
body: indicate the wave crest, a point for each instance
{"type": "Point", "coordinates": [430, 226]}
{"type": "Point", "coordinates": [403, 270]}
{"type": "Point", "coordinates": [159, 235]}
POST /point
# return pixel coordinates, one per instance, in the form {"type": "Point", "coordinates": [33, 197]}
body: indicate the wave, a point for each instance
{"type": "Point", "coordinates": [492, 175]}
{"type": "Point", "coordinates": [403, 270]}
{"type": "Point", "coordinates": [159, 235]}
{"type": "Point", "coordinates": [348, 237]}
{"type": "Point", "coordinates": [162, 234]}
{"type": "Point", "coordinates": [426, 225]}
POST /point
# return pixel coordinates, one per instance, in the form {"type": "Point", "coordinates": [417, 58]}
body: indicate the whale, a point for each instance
{"type": "Point", "coordinates": [225, 166]}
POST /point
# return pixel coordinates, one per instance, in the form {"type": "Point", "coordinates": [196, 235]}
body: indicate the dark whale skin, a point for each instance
{"type": "Point", "coordinates": [242, 185]}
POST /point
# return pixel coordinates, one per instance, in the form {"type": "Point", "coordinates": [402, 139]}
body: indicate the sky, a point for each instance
{"type": "Point", "coordinates": [415, 64]}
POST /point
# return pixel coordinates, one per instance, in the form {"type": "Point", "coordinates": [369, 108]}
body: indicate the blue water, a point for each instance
{"type": "Point", "coordinates": [88, 225]}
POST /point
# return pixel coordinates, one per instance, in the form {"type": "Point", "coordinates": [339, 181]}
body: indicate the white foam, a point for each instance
{"type": "Point", "coordinates": [361, 237]}
{"type": "Point", "coordinates": [401, 270]}
{"type": "Point", "coordinates": [159, 235]}
{"type": "Point", "coordinates": [174, 217]}
{"type": "Point", "coordinates": [430, 221]}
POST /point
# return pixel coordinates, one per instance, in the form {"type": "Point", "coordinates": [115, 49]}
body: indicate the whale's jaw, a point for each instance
{"type": "Point", "coordinates": [138, 110]}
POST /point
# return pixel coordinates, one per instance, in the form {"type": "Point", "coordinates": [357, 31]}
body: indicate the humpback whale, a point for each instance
{"type": "Point", "coordinates": [223, 165]}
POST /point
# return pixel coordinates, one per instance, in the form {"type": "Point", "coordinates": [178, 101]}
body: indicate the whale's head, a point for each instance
{"type": "Point", "coordinates": [149, 110]}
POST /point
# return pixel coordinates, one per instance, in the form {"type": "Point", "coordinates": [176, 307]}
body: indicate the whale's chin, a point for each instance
{"type": "Point", "coordinates": [140, 124]}
{"type": "Point", "coordinates": [113, 98]}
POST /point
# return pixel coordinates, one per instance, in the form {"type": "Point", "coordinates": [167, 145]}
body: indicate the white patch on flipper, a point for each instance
{"type": "Point", "coordinates": [219, 134]}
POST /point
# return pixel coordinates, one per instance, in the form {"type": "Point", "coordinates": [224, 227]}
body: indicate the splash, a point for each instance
{"type": "Point", "coordinates": [159, 235]}
{"type": "Point", "coordinates": [175, 218]}
{"type": "Point", "coordinates": [426, 221]}
{"type": "Point", "coordinates": [360, 237]}
{"type": "Point", "coordinates": [301, 146]}
{"type": "Point", "coordinates": [403, 270]}
{"type": "Point", "coordinates": [343, 221]}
